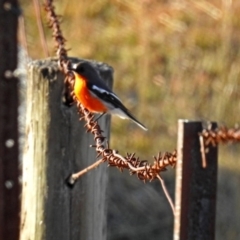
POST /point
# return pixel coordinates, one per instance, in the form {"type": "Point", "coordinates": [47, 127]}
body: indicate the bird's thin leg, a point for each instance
{"type": "Point", "coordinates": [100, 116]}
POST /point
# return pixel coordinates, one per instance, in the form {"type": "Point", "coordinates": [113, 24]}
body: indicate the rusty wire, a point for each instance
{"type": "Point", "coordinates": [220, 135]}
{"type": "Point", "coordinates": [142, 169]}
{"type": "Point", "coordinates": [212, 137]}
{"type": "Point", "coordinates": [54, 24]}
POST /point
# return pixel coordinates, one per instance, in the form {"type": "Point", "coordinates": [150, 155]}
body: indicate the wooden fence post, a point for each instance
{"type": "Point", "coordinates": [9, 164]}
{"type": "Point", "coordinates": [195, 186]}
{"type": "Point", "coordinates": [57, 145]}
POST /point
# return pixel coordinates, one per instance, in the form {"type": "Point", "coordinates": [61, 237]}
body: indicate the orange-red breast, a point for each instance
{"type": "Point", "coordinates": [95, 95]}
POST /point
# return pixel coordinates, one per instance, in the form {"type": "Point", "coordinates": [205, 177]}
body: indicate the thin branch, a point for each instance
{"type": "Point", "coordinates": [40, 27]}
{"type": "Point", "coordinates": [203, 151]}
{"type": "Point", "coordinates": [167, 194]}
{"type": "Point", "coordinates": [23, 34]}
{"type": "Point", "coordinates": [73, 177]}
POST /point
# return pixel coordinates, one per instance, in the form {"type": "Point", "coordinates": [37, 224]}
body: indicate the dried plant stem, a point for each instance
{"type": "Point", "coordinates": [23, 34]}
{"type": "Point", "coordinates": [203, 151]}
{"type": "Point", "coordinates": [72, 179]}
{"type": "Point", "coordinates": [40, 28]}
{"type": "Point", "coordinates": [167, 194]}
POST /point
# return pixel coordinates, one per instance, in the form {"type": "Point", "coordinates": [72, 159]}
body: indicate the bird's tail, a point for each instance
{"type": "Point", "coordinates": [136, 121]}
{"type": "Point", "coordinates": [124, 113]}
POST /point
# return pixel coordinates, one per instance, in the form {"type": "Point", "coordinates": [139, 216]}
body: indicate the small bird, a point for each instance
{"type": "Point", "coordinates": [95, 95]}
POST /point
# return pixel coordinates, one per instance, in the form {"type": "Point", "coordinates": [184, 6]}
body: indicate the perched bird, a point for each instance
{"type": "Point", "coordinates": [95, 95]}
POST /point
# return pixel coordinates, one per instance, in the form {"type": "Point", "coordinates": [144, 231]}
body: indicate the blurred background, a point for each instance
{"type": "Point", "coordinates": [172, 60]}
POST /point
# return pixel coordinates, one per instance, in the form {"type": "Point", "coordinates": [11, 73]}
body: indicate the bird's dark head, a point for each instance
{"type": "Point", "coordinates": [84, 69]}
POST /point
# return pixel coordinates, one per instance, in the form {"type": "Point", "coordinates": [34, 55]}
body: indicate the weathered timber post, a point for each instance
{"type": "Point", "coordinates": [9, 164]}
{"type": "Point", "coordinates": [195, 186]}
{"type": "Point", "coordinates": [57, 145]}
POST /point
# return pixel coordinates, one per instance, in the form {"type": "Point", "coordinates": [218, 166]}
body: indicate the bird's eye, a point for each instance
{"type": "Point", "coordinates": [81, 69]}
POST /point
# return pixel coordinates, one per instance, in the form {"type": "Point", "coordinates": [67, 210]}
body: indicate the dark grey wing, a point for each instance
{"type": "Point", "coordinates": [105, 94]}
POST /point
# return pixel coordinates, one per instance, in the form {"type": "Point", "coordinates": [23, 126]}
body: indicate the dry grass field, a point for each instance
{"type": "Point", "coordinates": [173, 60]}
